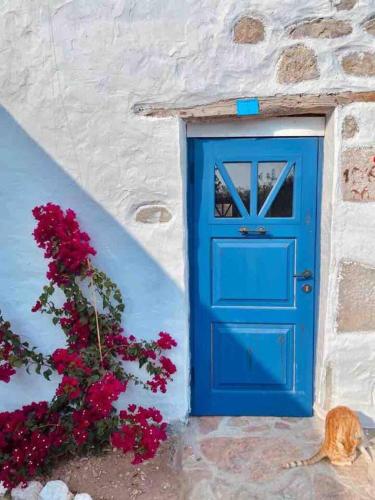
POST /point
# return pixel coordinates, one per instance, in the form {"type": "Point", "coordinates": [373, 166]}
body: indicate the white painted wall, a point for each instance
{"type": "Point", "coordinates": [350, 356]}
{"type": "Point", "coordinates": [70, 73]}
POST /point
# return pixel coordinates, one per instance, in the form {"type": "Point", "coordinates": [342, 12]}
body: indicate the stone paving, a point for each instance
{"type": "Point", "coordinates": [223, 458]}
{"type": "Point", "coordinates": [241, 458]}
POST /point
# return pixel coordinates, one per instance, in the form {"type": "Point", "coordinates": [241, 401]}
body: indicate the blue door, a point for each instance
{"type": "Point", "coordinates": [253, 269]}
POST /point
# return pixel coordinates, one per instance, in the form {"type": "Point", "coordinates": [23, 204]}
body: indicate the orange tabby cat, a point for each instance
{"type": "Point", "coordinates": [343, 436]}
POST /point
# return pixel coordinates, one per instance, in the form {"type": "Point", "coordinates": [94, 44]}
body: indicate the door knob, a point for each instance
{"type": "Point", "coordinates": [305, 275]}
{"type": "Point", "coordinates": [259, 230]}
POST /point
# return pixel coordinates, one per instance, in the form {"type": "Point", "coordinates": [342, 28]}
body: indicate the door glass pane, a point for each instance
{"type": "Point", "coordinates": [282, 205]}
{"type": "Point", "coordinates": [268, 173]}
{"type": "Point", "coordinates": [240, 174]}
{"type": "Point", "coordinates": [224, 203]}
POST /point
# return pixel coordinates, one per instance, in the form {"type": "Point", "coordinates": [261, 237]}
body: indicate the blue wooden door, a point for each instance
{"type": "Point", "coordinates": [253, 269]}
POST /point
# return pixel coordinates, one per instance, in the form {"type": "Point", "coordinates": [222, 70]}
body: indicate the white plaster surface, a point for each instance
{"type": "Point", "coordinates": [351, 356]}
{"type": "Point", "coordinates": [286, 126]}
{"type": "Point", "coordinates": [70, 73]}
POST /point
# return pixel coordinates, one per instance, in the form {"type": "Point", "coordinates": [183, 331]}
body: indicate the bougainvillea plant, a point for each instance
{"type": "Point", "coordinates": [81, 418]}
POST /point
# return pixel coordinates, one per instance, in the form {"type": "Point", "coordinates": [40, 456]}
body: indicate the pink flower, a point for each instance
{"type": "Point", "coordinates": [37, 306]}
{"type": "Point", "coordinates": [69, 386]}
{"type": "Point", "coordinates": [6, 371]}
{"type": "Point", "coordinates": [103, 393]}
{"type": "Point", "coordinates": [59, 234]}
{"type": "Point", "coordinates": [165, 341]}
{"type": "Point", "coordinates": [167, 365]}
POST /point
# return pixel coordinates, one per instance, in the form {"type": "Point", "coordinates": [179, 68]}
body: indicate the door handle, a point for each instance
{"type": "Point", "coordinates": [259, 230]}
{"type": "Point", "coordinates": [305, 275]}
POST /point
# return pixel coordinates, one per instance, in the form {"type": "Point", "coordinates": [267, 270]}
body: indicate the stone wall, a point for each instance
{"type": "Point", "coordinates": [70, 75]}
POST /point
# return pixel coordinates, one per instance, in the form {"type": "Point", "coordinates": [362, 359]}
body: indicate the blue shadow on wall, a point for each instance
{"type": "Point", "coordinates": [30, 177]}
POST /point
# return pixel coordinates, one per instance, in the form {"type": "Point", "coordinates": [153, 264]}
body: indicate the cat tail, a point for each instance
{"type": "Point", "coordinates": [310, 461]}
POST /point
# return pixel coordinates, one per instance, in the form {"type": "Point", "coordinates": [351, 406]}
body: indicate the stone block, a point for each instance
{"type": "Point", "coordinates": [296, 64]}
{"type": "Point", "coordinates": [345, 4]}
{"type": "Point", "coordinates": [356, 307]}
{"type": "Point", "coordinates": [358, 174]}
{"type": "Point", "coordinates": [321, 28]}
{"type": "Point", "coordinates": [248, 30]}
{"type": "Point", "coordinates": [30, 492]}
{"type": "Point", "coordinates": [359, 64]}
{"type": "Point", "coordinates": [55, 490]}
{"type": "Point", "coordinates": [3, 490]}
{"type": "Point", "coordinates": [369, 26]}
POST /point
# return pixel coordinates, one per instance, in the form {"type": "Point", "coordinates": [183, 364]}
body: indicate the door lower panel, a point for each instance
{"type": "Point", "coordinates": [252, 357]}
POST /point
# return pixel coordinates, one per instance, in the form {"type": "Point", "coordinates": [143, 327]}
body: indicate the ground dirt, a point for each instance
{"type": "Point", "coordinates": [111, 476]}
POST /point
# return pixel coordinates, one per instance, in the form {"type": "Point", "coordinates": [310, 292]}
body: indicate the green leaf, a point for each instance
{"type": "Point", "coordinates": [47, 374]}
{"type": "Point", "coordinates": [93, 378]}
{"type": "Point", "coordinates": [142, 361]}
{"type": "Point", "coordinates": [17, 363]}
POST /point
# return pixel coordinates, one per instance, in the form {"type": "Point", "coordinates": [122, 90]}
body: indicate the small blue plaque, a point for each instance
{"type": "Point", "coordinates": [247, 107]}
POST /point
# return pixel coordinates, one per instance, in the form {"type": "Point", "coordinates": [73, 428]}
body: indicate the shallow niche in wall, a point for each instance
{"type": "Point", "coordinates": [350, 127]}
{"type": "Point", "coordinates": [356, 307]}
{"type": "Point", "coordinates": [152, 213]}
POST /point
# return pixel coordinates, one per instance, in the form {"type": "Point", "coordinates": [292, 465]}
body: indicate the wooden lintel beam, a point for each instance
{"type": "Point", "coordinates": [269, 106]}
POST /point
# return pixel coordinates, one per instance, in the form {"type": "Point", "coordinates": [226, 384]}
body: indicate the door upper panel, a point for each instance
{"type": "Point", "coordinates": [253, 273]}
{"type": "Point", "coordinates": [255, 185]}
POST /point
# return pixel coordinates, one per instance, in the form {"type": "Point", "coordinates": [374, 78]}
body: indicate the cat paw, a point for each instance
{"type": "Point", "coordinates": [342, 463]}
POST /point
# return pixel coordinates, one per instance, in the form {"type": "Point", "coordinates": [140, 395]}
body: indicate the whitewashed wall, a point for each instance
{"type": "Point", "coordinates": [346, 361]}
{"type": "Point", "coordinates": [70, 74]}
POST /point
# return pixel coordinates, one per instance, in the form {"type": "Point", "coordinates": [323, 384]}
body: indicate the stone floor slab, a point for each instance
{"type": "Point", "coordinates": [242, 458]}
